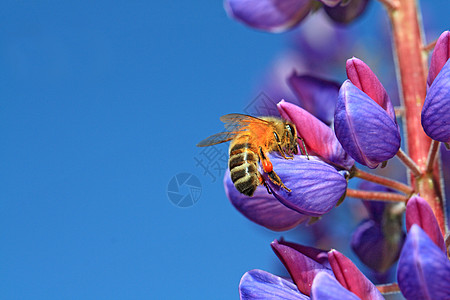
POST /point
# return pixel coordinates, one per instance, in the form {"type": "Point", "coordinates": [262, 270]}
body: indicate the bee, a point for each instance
{"type": "Point", "coordinates": [251, 140]}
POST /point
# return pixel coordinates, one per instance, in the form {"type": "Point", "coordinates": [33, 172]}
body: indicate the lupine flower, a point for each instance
{"type": "Point", "coordinates": [316, 95]}
{"type": "Point", "coordinates": [281, 15]}
{"type": "Point", "coordinates": [364, 120]}
{"type": "Point", "coordinates": [316, 187]}
{"type": "Point", "coordinates": [311, 277]}
{"type": "Point", "coordinates": [320, 139]}
{"type": "Point", "coordinates": [423, 270]}
{"type": "Point", "coordinates": [436, 108]}
{"type": "Point", "coordinates": [378, 240]}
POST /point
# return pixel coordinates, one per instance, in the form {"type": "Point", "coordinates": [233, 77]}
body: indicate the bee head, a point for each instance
{"type": "Point", "coordinates": [291, 137]}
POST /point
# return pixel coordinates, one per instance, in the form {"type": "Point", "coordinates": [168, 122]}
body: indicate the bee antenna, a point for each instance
{"type": "Point", "coordinates": [303, 151]}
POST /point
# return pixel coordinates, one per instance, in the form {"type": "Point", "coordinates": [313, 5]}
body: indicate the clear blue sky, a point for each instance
{"type": "Point", "coordinates": [102, 103]}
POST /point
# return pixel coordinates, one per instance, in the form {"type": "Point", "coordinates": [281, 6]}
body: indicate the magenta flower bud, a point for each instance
{"type": "Point", "coordinates": [269, 15]}
{"type": "Point", "coordinates": [419, 212]}
{"type": "Point", "coordinates": [436, 108]}
{"type": "Point", "coordinates": [364, 79]}
{"type": "Point", "coordinates": [315, 186]}
{"type": "Point", "coordinates": [319, 255]}
{"type": "Point", "coordinates": [301, 268]}
{"type": "Point", "coordinates": [365, 129]}
{"type": "Point", "coordinates": [326, 287]}
{"type": "Point", "coordinates": [320, 139]}
{"type": "Point", "coordinates": [258, 285]}
{"type": "Point", "coordinates": [346, 13]}
{"type": "Point", "coordinates": [351, 278]}
{"type": "Point", "coordinates": [423, 270]}
{"type": "Point", "coordinates": [441, 54]}
{"type": "Point", "coordinates": [262, 208]}
{"type": "Point", "coordinates": [316, 95]}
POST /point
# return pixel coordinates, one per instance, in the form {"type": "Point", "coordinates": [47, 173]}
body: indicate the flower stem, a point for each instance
{"type": "Point", "coordinates": [390, 4]}
{"type": "Point", "coordinates": [383, 181]}
{"type": "Point", "coordinates": [411, 63]}
{"type": "Point", "coordinates": [409, 163]}
{"type": "Point", "coordinates": [376, 196]}
{"type": "Point", "coordinates": [434, 150]}
{"type": "Point", "coordinates": [388, 288]}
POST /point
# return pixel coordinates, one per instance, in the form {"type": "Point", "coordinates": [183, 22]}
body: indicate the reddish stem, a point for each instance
{"type": "Point", "coordinates": [377, 196]}
{"type": "Point", "coordinates": [412, 71]}
{"type": "Point", "coordinates": [383, 181]}
{"type": "Point", "coordinates": [388, 288]}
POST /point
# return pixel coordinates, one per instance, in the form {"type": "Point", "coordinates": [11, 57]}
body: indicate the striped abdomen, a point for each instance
{"type": "Point", "coordinates": [243, 166]}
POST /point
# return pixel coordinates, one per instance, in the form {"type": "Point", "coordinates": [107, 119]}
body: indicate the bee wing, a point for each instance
{"type": "Point", "coordinates": [238, 122]}
{"type": "Point", "coordinates": [217, 138]}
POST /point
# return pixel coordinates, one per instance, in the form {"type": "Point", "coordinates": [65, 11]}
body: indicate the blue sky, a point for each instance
{"type": "Point", "coordinates": [101, 105]}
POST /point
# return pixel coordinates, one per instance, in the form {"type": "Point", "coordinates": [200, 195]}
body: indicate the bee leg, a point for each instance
{"type": "Point", "coordinates": [268, 168]}
{"type": "Point", "coordinates": [262, 181]}
{"type": "Point", "coordinates": [283, 154]}
{"type": "Point", "coordinates": [303, 150]}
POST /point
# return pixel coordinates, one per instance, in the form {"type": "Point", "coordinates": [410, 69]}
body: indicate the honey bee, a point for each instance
{"type": "Point", "coordinates": [251, 140]}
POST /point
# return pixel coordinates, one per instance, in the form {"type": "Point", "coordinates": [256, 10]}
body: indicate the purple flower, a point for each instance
{"type": "Point", "coordinates": [346, 13]}
{"type": "Point", "coordinates": [423, 270]}
{"type": "Point", "coordinates": [269, 15]}
{"type": "Point", "coordinates": [281, 15]}
{"type": "Point", "coordinates": [258, 284]}
{"type": "Point", "coordinates": [367, 130]}
{"type": "Point", "coordinates": [419, 212]}
{"type": "Point", "coordinates": [316, 95]}
{"type": "Point", "coordinates": [316, 187]}
{"type": "Point", "coordinates": [436, 108]}
{"type": "Point", "coordinates": [262, 208]}
{"type": "Point", "coordinates": [320, 139]}
{"type": "Point", "coordinates": [326, 287]}
{"type": "Point", "coordinates": [378, 240]}
{"type": "Point", "coordinates": [351, 278]}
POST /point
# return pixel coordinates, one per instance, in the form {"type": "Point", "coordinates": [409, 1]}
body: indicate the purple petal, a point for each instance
{"type": "Point", "coordinates": [262, 208]}
{"type": "Point", "coordinates": [419, 212]}
{"type": "Point", "coordinates": [423, 270]}
{"type": "Point", "coordinates": [436, 109]}
{"type": "Point", "coordinates": [319, 255]}
{"type": "Point", "coordinates": [364, 129]}
{"type": "Point", "coordinates": [346, 13]}
{"type": "Point", "coordinates": [331, 3]}
{"type": "Point", "coordinates": [269, 15]}
{"type": "Point", "coordinates": [374, 248]}
{"type": "Point", "coordinates": [326, 287]}
{"type": "Point", "coordinates": [364, 79]}
{"type": "Point", "coordinates": [258, 284]}
{"type": "Point", "coordinates": [302, 268]}
{"type": "Point", "coordinates": [316, 95]}
{"type": "Point", "coordinates": [351, 278]}
{"type": "Point", "coordinates": [319, 138]}
{"type": "Point", "coordinates": [315, 186]}
{"type": "Point", "coordinates": [441, 54]}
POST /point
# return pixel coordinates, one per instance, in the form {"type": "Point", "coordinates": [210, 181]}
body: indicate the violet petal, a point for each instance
{"type": "Point", "coordinates": [419, 212]}
{"type": "Point", "coordinates": [423, 270]}
{"type": "Point", "coordinates": [302, 268]}
{"type": "Point", "coordinates": [436, 108]}
{"type": "Point", "coordinates": [377, 250]}
{"type": "Point", "coordinates": [364, 129]}
{"type": "Point", "coordinates": [364, 79]}
{"type": "Point", "coordinates": [262, 208]}
{"type": "Point", "coordinates": [269, 15]}
{"type": "Point", "coordinates": [319, 255]}
{"type": "Point", "coordinates": [315, 186]}
{"type": "Point", "coordinates": [326, 287]}
{"type": "Point", "coordinates": [319, 138]}
{"type": "Point", "coordinates": [351, 278]}
{"type": "Point", "coordinates": [441, 54]}
{"type": "Point", "coordinates": [258, 284]}
{"type": "Point", "coordinates": [316, 95]}
{"type": "Point", "coordinates": [347, 13]}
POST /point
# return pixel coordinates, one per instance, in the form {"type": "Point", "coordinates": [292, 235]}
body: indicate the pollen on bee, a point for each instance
{"type": "Point", "coordinates": [267, 166]}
